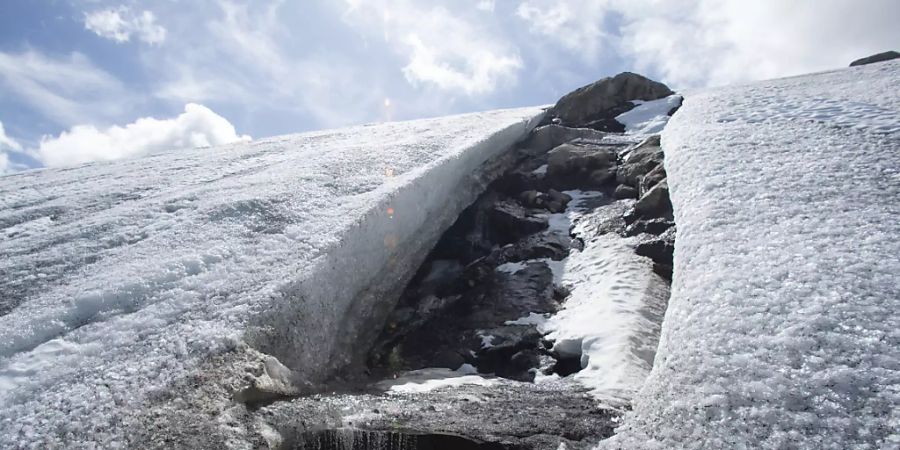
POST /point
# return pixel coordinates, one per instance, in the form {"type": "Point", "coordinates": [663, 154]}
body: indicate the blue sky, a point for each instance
{"type": "Point", "coordinates": [87, 80]}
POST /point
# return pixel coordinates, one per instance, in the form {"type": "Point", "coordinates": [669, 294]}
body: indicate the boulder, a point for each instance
{"type": "Point", "coordinates": [553, 201]}
{"type": "Point", "coordinates": [573, 166]}
{"type": "Point", "coordinates": [655, 203]}
{"type": "Point", "coordinates": [661, 251]}
{"type": "Point", "coordinates": [885, 56]}
{"type": "Point", "coordinates": [655, 226]}
{"type": "Point", "coordinates": [541, 245]}
{"type": "Point", "coordinates": [512, 353]}
{"type": "Point", "coordinates": [640, 161]}
{"type": "Point", "coordinates": [549, 136]}
{"type": "Point", "coordinates": [511, 222]}
{"type": "Point", "coordinates": [625, 191]}
{"type": "Point", "coordinates": [597, 104]}
{"type": "Point", "coordinates": [652, 178]}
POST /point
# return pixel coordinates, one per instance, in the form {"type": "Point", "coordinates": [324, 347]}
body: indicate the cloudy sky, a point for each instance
{"type": "Point", "coordinates": [89, 80]}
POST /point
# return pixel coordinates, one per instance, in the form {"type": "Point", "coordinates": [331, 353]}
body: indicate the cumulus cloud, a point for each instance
{"type": "Point", "coordinates": [121, 23]}
{"type": "Point", "coordinates": [443, 48]}
{"type": "Point", "coordinates": [198, 126]}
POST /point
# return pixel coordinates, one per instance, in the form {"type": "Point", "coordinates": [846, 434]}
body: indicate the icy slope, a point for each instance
{"type": "Point", "coordinates": [783, 329]}
{"type": "Point", "coordinates": [118, 278]}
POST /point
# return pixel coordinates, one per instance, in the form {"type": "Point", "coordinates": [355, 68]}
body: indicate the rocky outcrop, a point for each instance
{"type": "Point", "coordinates": [597, 104]}
{"type": "Point", "coordinates": [640, 161]}
{"type": "Point", "coordinates": [578, 164]}
{"type": "Point", "coordinates": [879, 57]}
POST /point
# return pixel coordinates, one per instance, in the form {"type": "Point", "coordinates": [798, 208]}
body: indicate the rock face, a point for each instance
{"type": "Point", "coordinates": [885, 56]}
{"type": "Point", "coordinates": [586, 165]}
{"type": "Point", "coordinates": [639, 162]}
{"type": "Point", "coordinates": [597, 104]}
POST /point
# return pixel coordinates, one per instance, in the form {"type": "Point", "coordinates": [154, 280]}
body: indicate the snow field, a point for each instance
{"type": "Point", "coordinates": [783, 328]}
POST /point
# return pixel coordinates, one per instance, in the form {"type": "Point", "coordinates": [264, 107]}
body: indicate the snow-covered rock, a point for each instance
{"type": "Point", "coordinates": [783, 328]}
{"type": "Point", "coordinates": [597, 104]}
{"type": "Point", "coordinates": [131, 287]}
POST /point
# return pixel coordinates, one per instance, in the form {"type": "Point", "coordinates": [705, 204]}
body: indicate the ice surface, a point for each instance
{"type": "Point", "coordinates": [783, 329]}
{"type": "Point", "coordinates": [119, 278]}
{"type": "Point", "coordinates": [648, 117]}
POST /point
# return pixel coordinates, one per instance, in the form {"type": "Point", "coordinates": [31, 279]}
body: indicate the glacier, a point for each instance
{"type": "Point", "coordinates": [143, 295]}
{"type": "Point", "coordinates": [123, 280]}
{"type": "Point", "coordinates": [782, 329]}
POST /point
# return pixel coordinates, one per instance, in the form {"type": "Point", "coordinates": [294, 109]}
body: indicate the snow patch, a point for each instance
{"type": "Point", "coordinates": [648, 117]}
{"type": "Point", "coordinates": [531, 319]}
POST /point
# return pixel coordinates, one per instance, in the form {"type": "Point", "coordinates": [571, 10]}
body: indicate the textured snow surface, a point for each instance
{"type": "Point", "coordinates": [117, 278]}
{"type": "Point", "coordinates": [783, 329]}
{"type": "Point", "coordinates": [612, 316]}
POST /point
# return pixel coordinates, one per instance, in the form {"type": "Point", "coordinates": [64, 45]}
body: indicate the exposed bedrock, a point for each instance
{"type": "Point", "coordinates": [876, 58]}
{"type": "Point", "coordinates": [597, 104]}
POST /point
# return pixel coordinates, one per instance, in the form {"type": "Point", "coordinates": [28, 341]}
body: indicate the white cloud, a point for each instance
{"type": "Point", "coordinates": [6, 144]}
{"type": "Point", "coordinates": [724, 42]}
{"type": "Point", "coordinates": [486, 5]}
{"type": "Point", "coordinates": [443, 48]}
{"type": "Point", "coordinates": [198, 126]}
{"type": "Point", "coordinates": [67, 90]}
{"type": "Point", "coordinates": [575, 25]}
{"type": "Point", "coordinates": [121, 23]}
{"type": "Point", "coordinates": [711, 42]}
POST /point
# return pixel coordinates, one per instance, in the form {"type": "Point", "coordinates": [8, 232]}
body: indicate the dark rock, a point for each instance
{"type": "Point", "coordinates": [640, 161]}
{"type": "Point", "coordinates": [448, 359]}
{"type": "Point", "coordinates": [511, 222]}
{"type": "Point", "coordinates": [652, 178]}
{"type": "Point", "coordinates": [676, 107]}
{"type": "Point", "coordinates": [659, 250]}
{"type": "Point", "coordinates": [625, 191]}
{"type": "Point", "coordinates": [539, 245]}
{"type": "Point", "coordinates": [532, 199]}
{"type": "Point", "coordinates": [885, 56]}
{"type": "Point", "coordinates": [566, 365]}
{"type": "Point", "coordinates": [598, 103]}
{"type": "Point", "coordinates": [663, 270]}
{"type": "Point", "coordinates": [522, 366]}
{"type": "Point", "coordinates": [573, 166]}
{"type": "Point", "coordinates": [516, 182]}
{"type": "Point", "coordinates": [601, 177]}
{"type": "Point", "coordinates": [513, 352]}
{"type": "Point", "coordinates": [547, 137]}
{"type": "Point", "coordinates": [561, 197]}
{"type": "Point", "coordinates": [553, 201]}
{"type": "Point", "coordinates": [654, 226]}
{"type": "Point", "coordinates": [655, 203]}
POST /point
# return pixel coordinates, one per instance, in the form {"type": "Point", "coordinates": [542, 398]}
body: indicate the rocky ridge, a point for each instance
{"type": "Point", "coordinates": [466, 316]}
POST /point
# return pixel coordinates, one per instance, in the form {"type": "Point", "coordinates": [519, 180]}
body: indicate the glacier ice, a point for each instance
{"type": "Point", "coordinates": [782, 329]}
{"type": "Point", "coordinates": [121, 278]}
